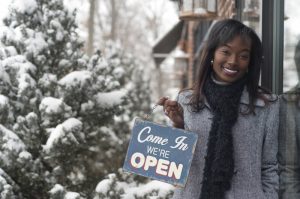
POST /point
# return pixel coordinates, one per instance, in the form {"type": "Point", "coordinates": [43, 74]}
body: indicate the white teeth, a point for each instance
{"type": "Point", "coordinates": [230, 70]}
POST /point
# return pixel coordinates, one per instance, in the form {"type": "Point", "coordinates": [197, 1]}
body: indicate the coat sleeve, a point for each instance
{"type": "Point", "coordinates": [269, 170]}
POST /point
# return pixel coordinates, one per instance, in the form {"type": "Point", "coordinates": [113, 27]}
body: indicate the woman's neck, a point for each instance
{"type": "Point", "coordinates": [217, 81]}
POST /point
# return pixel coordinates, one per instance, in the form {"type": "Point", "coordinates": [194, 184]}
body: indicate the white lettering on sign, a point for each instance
{"type": "Point", "coordinates": [152, 150]}
{"type": "Point", "coordinates": [163, 167]}
{"type": "Point", "coordinates": [180, 143]}
{"type": "Point", "coordinates": [175, 171]}
{"type": "Point", "coordinates": [164, 153]}
{"type": "Point", "coordinates": [157, 151]}
{"type": "Point", "coordinates": [150, 161]}
{"type": "Point", "coordinates": [142, 137]}
{"type": "Point", "coordinates": [137, 156]}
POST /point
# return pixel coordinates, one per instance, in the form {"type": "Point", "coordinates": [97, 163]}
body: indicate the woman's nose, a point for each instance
{"type": "Point", "coordinates": [232, 59]}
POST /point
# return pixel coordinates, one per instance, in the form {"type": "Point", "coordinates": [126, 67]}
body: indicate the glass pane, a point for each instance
{"type": "Point", "coordinates": [199, 4]}
{"type": "Point", "coordinates": [187, 5]}
{"type": "Point", "coordinates": [251, 14]}
{"type": "Point", "coordinates": [291, 63]}
{"type": "Point", "coordinates": [289, 125]}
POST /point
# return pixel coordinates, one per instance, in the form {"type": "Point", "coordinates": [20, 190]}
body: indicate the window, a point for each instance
{"type": "Point", "coordinates": [291, 53]}
{"type": "Point", "coordinates": [251, 14]}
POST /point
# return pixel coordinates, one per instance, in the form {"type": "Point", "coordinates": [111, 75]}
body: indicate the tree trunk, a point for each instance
{"type": "Point", "coordinates": [114, 17]}
{"type": "Point", "coordinates": [90, 47]}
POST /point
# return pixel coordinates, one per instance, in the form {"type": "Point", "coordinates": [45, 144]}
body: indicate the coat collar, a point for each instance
{"type": "Point", "coordinates": [245, 99]}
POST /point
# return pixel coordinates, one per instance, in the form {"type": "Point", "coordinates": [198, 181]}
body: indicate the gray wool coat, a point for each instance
{"type": "Point", "coordinates": [255, 145]}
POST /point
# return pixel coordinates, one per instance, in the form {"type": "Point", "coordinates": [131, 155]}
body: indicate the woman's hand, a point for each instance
{"type": "Point", "coordinates": [173, 110]}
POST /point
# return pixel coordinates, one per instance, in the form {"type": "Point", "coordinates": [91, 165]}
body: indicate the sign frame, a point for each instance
{"type": "Point", "coordinates": [160, 152]}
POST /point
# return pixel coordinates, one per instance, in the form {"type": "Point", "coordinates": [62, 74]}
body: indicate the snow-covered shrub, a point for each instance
{"type": "Point", "coordinates": [54, 104]}
{"type": "Point", "coordinates": [125, 186]}
{"type": "Point", "coordinates": [65, 118]}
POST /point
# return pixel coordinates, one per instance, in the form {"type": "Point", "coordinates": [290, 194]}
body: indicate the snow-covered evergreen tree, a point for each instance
{"type": "Point", "coordinates": [126, 186]}
{"type": "Point", "coordinates": [132, 78]}
{"type": "Point", "coordinates": [64, 117]}
{"type": "Point", "coordinates": [55, 106]}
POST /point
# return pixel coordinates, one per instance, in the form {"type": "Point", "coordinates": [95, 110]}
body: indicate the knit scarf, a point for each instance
{"type": "Point", "coordinates": [219, 161]}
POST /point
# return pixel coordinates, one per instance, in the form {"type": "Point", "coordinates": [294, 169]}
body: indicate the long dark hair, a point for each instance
{"type": "Point", "coordinates": [221, 33]}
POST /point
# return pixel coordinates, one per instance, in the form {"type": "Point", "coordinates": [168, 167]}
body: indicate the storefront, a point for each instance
{"type": "Point", "coordinates": [275, 21]}
{"type": "Point", "coordinates": [277, 24]}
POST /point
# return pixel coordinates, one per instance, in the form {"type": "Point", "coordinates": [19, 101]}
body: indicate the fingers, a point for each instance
{"type": "Point", "coordinates": [165, 101]}
{"type": "Point", "coordinates": [176, 116]}
{"type": "Point", "coordinates": [171, 108]}
{"type": "Point", "coordinates": [162, 101]}
{"type": "Point", "coordinates": [170, 102]}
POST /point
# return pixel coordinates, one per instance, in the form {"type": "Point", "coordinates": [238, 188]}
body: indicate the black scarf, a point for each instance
{"type": "Point", "coordinates": [219, 161]}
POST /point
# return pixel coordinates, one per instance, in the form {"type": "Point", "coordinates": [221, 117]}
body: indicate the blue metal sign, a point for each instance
{"type": "Point", "coordinates": [160, 152]}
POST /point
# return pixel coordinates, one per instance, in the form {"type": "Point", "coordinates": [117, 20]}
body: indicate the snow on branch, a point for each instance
{"type": "Point", "coordinates": [111, 99]}
{"type": "Point", "coordinates": [25, 6]}
{"type": "Point", "coordinates": [64, 134]}
{"type": "Point", "coordinates": [76, 78]}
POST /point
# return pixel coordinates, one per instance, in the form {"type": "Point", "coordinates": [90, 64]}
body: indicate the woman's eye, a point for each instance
{"type": "Point", "coordinates": [225, 52]}
{"type": "Point", "coordinates": [244, 56]}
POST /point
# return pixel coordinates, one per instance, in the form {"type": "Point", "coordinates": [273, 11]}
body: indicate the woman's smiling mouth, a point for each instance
{"type": "Point", "coordinates": [229, 71]}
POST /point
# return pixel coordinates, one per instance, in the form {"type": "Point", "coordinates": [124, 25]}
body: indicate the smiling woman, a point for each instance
{"type": "Point", "coordinates": [231, 60]}
{"type": "Point", "coordinates": [236, 119]}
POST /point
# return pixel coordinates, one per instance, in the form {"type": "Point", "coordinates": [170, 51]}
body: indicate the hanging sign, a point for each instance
{"type": "Point", "coordinates": [160, 152]}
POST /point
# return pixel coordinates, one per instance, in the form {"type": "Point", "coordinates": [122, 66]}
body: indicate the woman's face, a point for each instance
{"type": "Point", "coordinates": [231, 60]}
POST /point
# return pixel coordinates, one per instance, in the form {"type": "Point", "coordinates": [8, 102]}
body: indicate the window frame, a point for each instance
{"type": "Point", "coordinates": [272, 38]}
